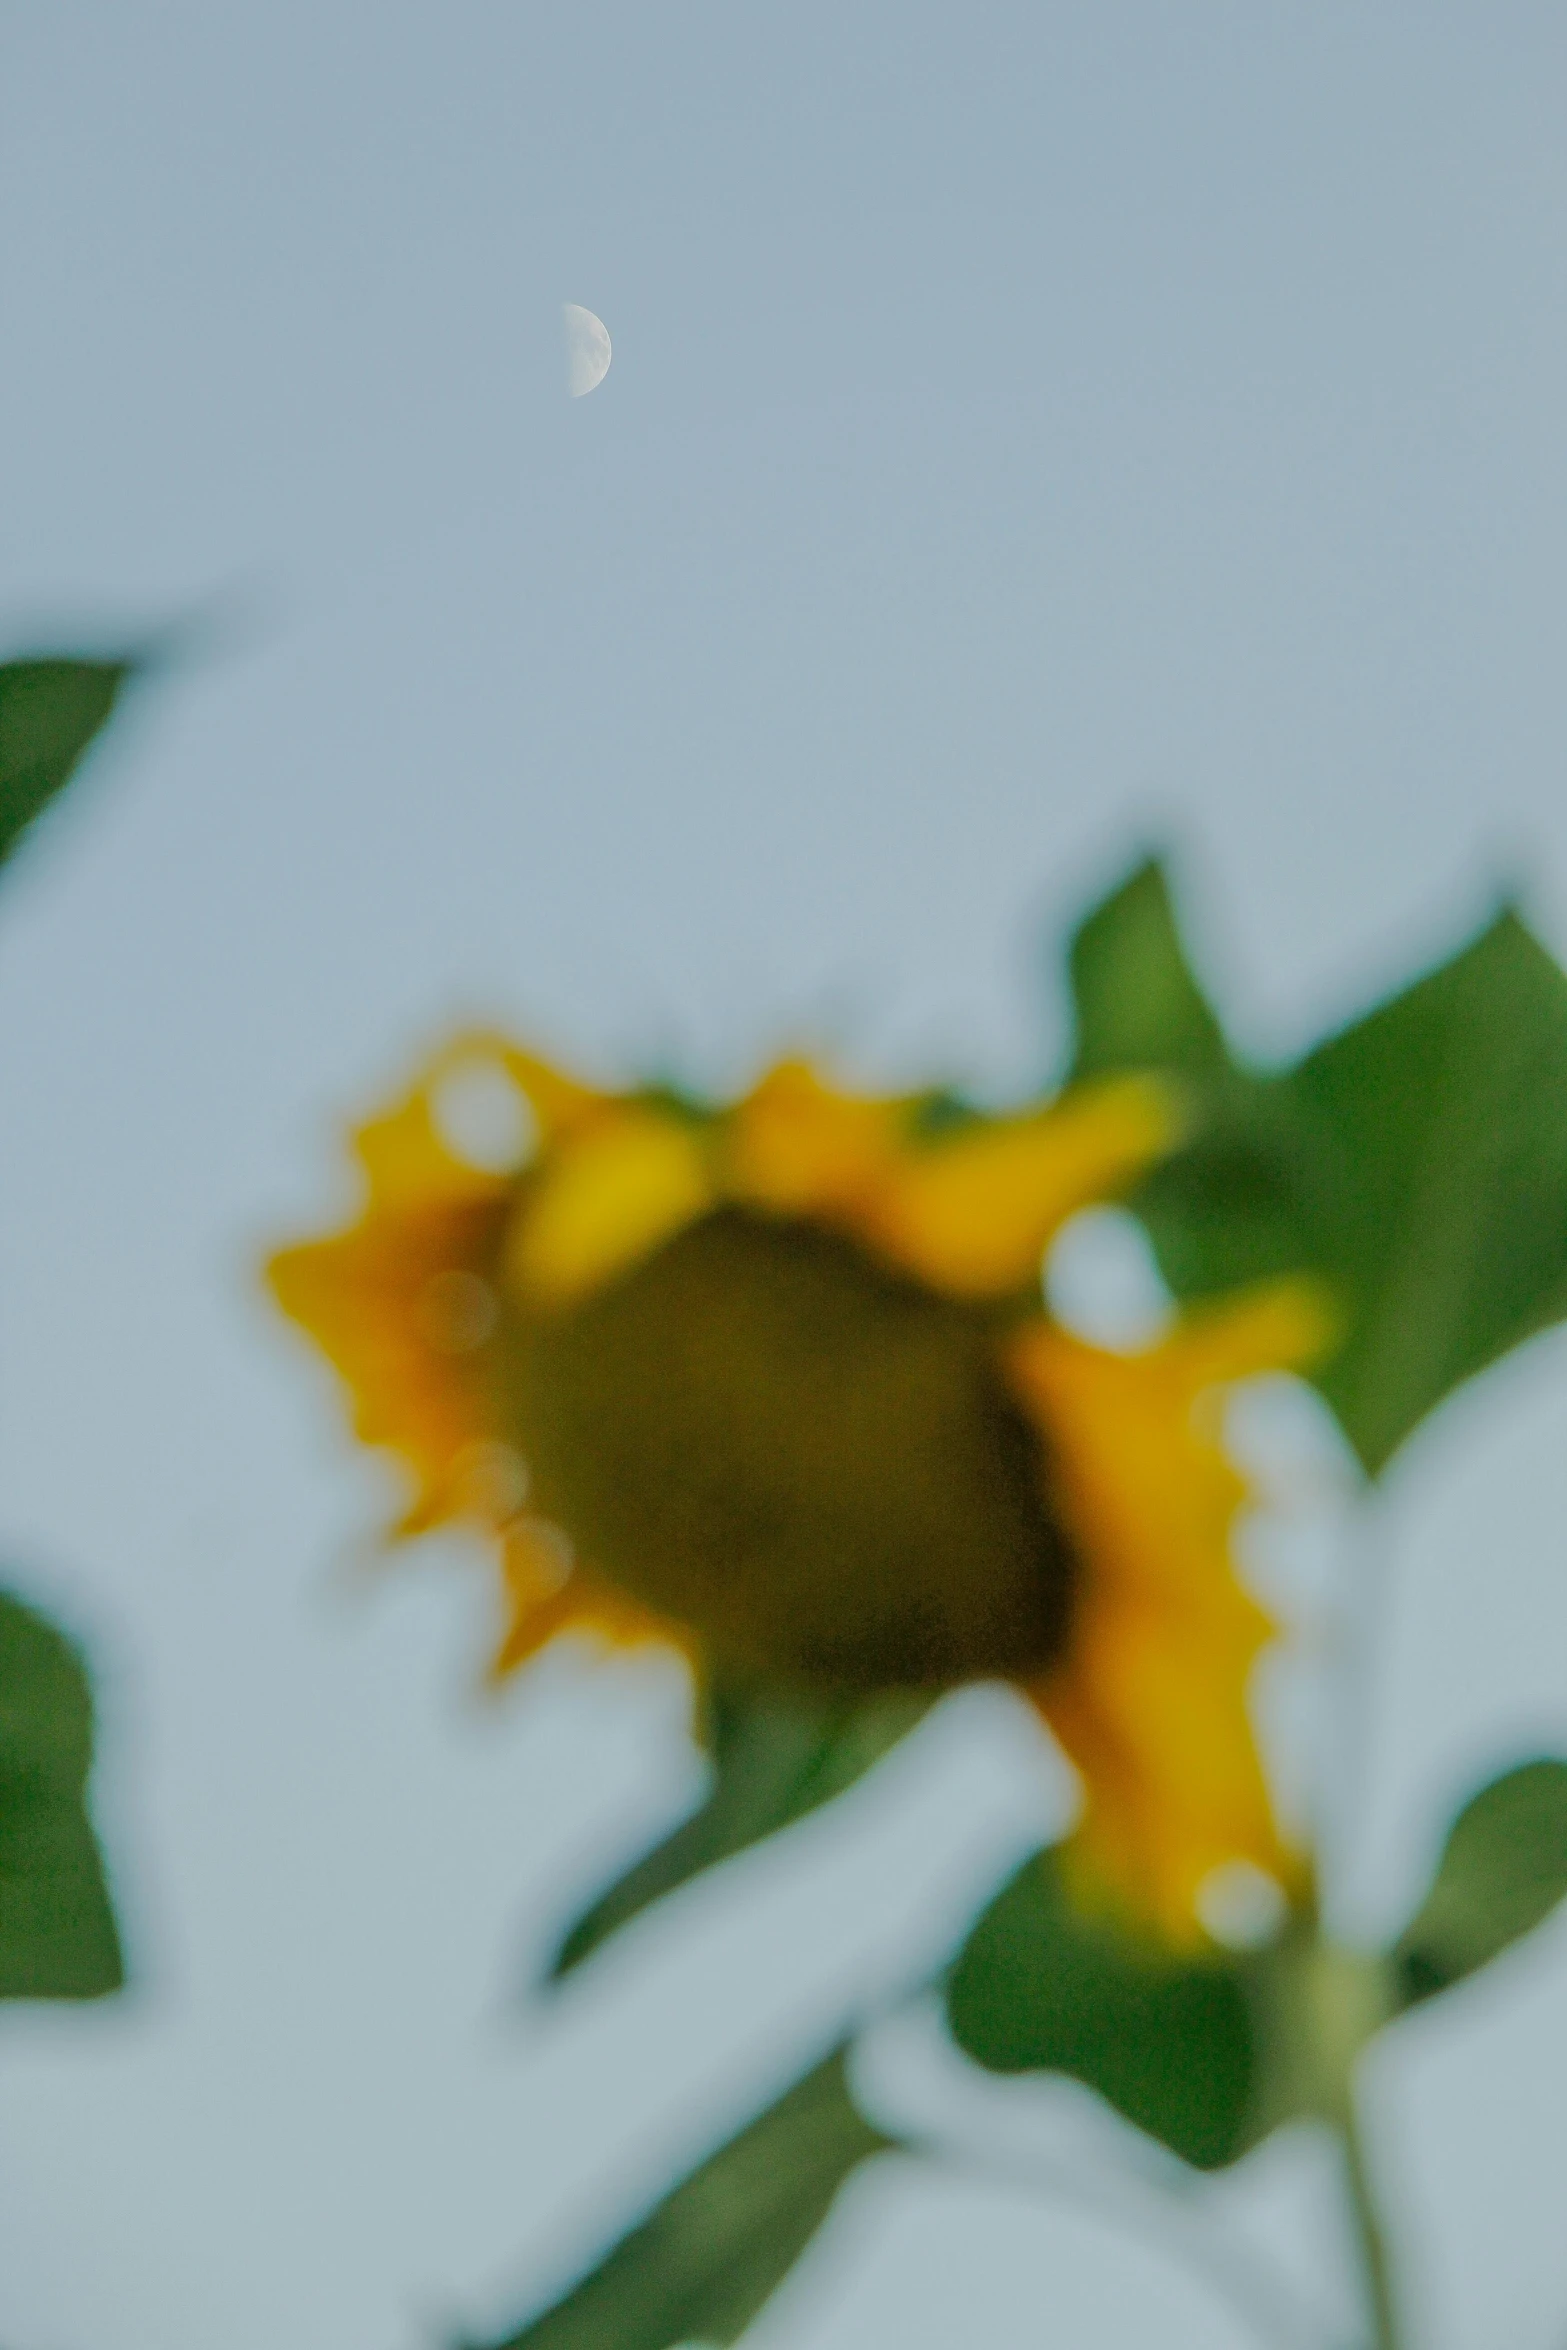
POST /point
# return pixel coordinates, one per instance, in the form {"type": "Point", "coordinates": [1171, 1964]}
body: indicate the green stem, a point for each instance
{"type": "Point", "coordinates": [1370, 2239]}
{"type": "Point", "coordinates": [1319, 2006]}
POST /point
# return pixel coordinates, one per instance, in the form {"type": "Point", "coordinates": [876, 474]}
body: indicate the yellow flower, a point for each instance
{"type": "Point", "coordinates": [774, 1383]}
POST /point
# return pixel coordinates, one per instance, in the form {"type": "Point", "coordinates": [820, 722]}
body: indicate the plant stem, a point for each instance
{"type": "Point", "coordinates": [1371, 2242]}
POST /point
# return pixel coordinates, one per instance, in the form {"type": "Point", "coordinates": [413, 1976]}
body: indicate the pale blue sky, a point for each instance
{"type": "Point", "coordinates": [1031, 428]}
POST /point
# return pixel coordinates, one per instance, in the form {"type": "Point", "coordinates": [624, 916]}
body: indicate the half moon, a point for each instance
{"type": "Point", "coordinates": [587, 348]}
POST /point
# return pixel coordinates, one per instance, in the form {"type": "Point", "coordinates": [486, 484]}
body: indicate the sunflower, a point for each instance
{"type": "Point", "coordinates": [773, 1383]}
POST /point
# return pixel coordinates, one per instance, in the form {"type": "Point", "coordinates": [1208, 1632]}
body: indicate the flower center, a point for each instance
{"type": "Point", "coordinates": [815, 1463]}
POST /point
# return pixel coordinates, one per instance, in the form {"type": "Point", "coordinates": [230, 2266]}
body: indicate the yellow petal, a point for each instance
{"type": "Point", "coordinates": [548, 1594]}
{"type": "Point", "coordinates": [1152, 1699]}
{"type": "Point", "coordinates": [405, 1152]}
{"type": "Point", "coordinates": [407, 1161]}
{"type": "Point", "coordinates": [798, 1148]}
{"type": "Point", "coordinates": [417, 1383]}
{"type": "Point", "coordinates": [396, 1302]}
{"type": "Point", "coordinates": [608, 1193]}
{"type": "Point", "coordinates": [972, 1215]}
{"type": "Point", "coordinates": [1278, 1326]}
{"type": "Point", "coordinates": [559, 1103]}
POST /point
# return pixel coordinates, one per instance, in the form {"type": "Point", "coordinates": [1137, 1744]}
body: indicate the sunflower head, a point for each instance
{"type": "Point", "coordinates": [773, 1381]}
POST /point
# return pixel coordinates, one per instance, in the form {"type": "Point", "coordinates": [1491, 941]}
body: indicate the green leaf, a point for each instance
{"type": "Point", "coordinates": [1227, 1208]}
{"type": "Point", "coordinates": [50, 710]}
{"type": "Point", "coordinates": [1438, 1198]}
{"type": "Point", "coordinates": [1168, 2040]}
{"type": "Point", "coordinates": [1416, 1161]}
{"type": "Point", "coordinates": [1137, 1000]}
{"type": "Point", "coordinates": [776, 1756]}
{"type": "Point", "coordinates": [57, 1932]}
{"type": "Point", "coordinates": [1503, 1871]}
{"type": "Point", "coordinates": [711, 2254]}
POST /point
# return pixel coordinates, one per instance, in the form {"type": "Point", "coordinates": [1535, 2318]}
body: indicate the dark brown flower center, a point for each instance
{"type": "Point", "coordinates": [812, 1462]}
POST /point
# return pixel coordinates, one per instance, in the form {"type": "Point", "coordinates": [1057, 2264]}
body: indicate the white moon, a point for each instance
{"type": "Point", "coordinates": [587, 348]}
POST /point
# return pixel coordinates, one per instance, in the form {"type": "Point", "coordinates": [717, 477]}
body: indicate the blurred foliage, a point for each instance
{"type": "Point", "coordinates": [1165, 2037]}
{"type": "Point", "coordinates": [1503, 1871]}
{"type": "Point", "coordinates": [50, 711]}
{"type": "Point", "coordinates": [1417, 1160]}
{"type": "Point", "coordinates": [776, 1755]}
{"type": "Point", "coordinates": [701, 2267]}
{"type": "Point", "coordinates": [714, 2249]}
{"type": "Point", "coordinates": [1137, 1001]}
{"type": "Point", "coordinates": [57, 1933]}
{"type": "Point", "coordinates": [1210, 2053]}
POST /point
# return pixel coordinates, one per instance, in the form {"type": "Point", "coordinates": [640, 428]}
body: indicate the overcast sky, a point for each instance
{"type": "Point", "coordinates": [1031, 430]}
